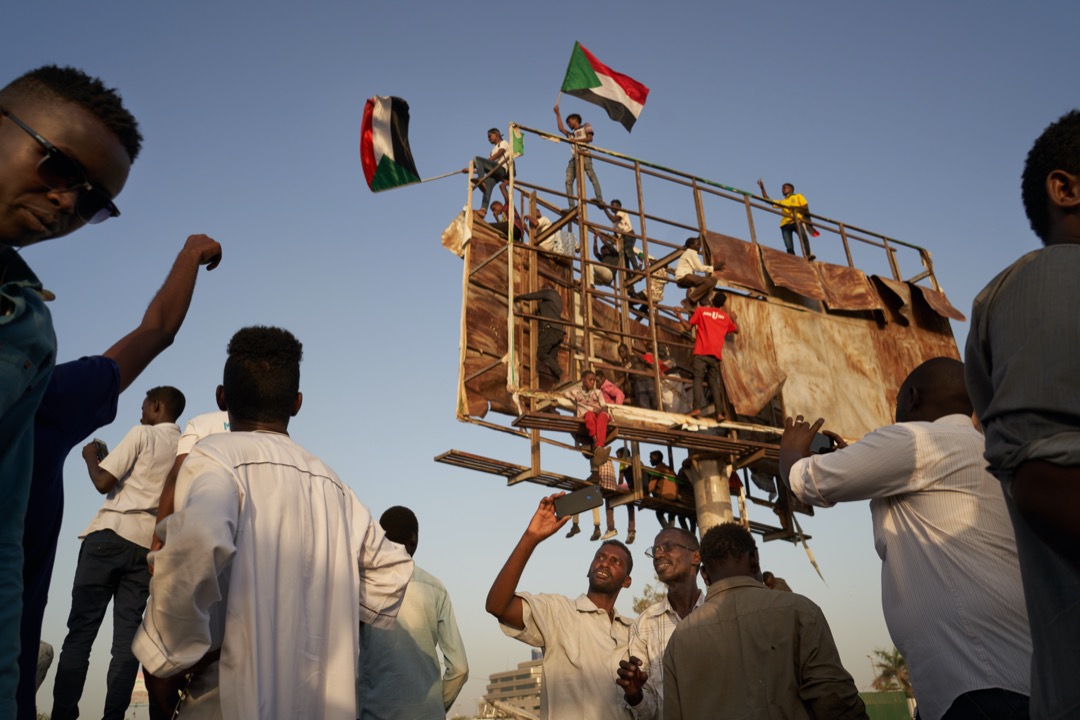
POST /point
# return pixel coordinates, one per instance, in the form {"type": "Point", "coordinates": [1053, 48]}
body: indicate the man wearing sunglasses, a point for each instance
{"type": "Point", "coordinates": [66, 147]}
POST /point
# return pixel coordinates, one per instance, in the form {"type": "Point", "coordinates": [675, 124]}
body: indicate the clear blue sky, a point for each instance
{"type": "Point", "coordinates": [912, 119]}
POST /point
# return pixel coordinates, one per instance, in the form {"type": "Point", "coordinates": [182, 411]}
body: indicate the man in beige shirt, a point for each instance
{"type": "Point", "coordinates": [751, 652]}
{"type": "Point", "coordinates": [583, 639]}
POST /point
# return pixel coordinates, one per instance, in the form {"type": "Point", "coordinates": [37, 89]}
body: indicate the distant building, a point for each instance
{"type": "Point", "coordinates": [518, 688]}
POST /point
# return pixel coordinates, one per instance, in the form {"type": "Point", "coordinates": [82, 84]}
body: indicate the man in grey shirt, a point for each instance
{"type": "Point", "coordinates": [1021, 363]}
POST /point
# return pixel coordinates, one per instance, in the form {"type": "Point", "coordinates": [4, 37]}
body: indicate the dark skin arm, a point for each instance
{"type": "Point", "coordinates": [502, 602]}
{"type": "Point", "coordinates": [165, 692]}
{"type": "Point", "coordinates": [166, 312]}
{"type": "Point", "coordinates": [103, 479]}
{"type": "Point", "coordinates": [558, 119]}
{"type": "Point", "coordinates": [166, 504]}
{"type": "Point", "coordinates": [631, 679]}
{"type": "Point", "coordinates": [795, 443]}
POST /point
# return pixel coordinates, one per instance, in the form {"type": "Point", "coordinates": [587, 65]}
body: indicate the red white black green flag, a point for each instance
{"type": "Point", "coordinates": [384, 144]}
{"type": "Point", "coordinates": [591, 80]}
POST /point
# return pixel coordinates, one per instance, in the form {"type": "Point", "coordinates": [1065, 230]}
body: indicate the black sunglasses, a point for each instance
{"type": "Point", "coordinates": [59, 171]}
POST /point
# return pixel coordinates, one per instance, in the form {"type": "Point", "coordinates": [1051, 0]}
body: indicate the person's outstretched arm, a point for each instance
{"type": "Point", "coordinates": [166, 312]}
{"type": "Point", "coordinates": [502, 601]}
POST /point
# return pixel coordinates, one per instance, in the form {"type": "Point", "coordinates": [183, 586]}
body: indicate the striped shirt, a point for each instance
{"type": "Point", "coordinates": [648, 639]}
{"type": "Point", "coordinates": [950, 580]}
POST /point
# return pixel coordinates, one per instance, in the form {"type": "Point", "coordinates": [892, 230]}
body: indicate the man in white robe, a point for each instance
{"type": "Point", "coordinates": [270, 562]}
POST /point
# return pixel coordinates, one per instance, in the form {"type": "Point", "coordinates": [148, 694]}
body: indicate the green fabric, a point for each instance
{"type": "Point", "coordinates": [579, 73]}
{"type": "Point", "coordinates": [389, 174]}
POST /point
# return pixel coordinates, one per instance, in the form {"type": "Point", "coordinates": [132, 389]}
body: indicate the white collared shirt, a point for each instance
{"type": "Point", "coordinates": [950, 580]}
{"type": "Point", "coordinates": [582, 648]}
{"type": "Point", "coordinates": [139, 463]}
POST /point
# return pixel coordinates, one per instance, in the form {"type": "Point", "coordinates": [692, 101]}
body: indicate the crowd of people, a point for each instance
{"type": "Point", "coordinates": [255, 545]}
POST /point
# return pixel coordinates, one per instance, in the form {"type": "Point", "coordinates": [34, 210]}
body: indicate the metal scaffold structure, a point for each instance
{"type": "Point", "coordinates": [818, 334]}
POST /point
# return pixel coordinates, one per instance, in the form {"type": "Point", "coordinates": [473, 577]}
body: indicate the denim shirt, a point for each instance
{"type": "Point", "coordinates": [27, 356]}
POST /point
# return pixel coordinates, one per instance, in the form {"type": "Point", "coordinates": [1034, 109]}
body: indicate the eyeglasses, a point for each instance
{"type": "Point", "coordinates": [664, 548]}
{"type": "Point", "coordinates": [60, 172]}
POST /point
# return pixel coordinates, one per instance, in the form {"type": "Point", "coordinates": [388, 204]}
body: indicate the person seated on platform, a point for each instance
{"type": "Point", "coordinates": [590, 405]}
{"type": "Point", "coordinates": [612, 394]}
{"type": "Point", "coordinates": [502, 221]}
{"type": "Point", "coordinates": [684, 479]}
{"type": "Point", "coordinates": [626, 484]}
{"type": "Point", "coordinates": [658, 473]}
{"type": "Point", "coordinates": [686, 269]}
{"type": "Point", "coordinates": [560, 242]}
{"type": "Point", "coordinates": [536, 224]}
{"type": "Point", "coordinates": [495, 168]}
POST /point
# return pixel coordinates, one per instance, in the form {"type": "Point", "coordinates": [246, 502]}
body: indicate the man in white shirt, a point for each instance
{"type": "Point", "coordinates": [493, 169]}
{"type": "Point", "coordinates": [686, 269]}
{"type": "Point", "coordinates": [112, 561]}
{"type": "Point", "coordinates": [270, 563]}
{"type": "Point", "coordinates": [676, 559]}
{"type": "Point", "coordinates": [950, 579]}
{"type": "Point", "coordinates": [400, 678]}
{"type": "Point", "coordinates": [583, 639]}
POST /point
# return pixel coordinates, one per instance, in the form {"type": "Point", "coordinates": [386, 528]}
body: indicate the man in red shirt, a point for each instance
{"type": "Point", "coordinates": [713, 324]}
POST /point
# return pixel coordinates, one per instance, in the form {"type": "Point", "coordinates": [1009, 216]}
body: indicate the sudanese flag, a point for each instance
{"type": "Point", "coordinates": [621, 96]}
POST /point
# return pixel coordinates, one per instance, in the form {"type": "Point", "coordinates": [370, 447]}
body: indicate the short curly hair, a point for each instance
{"type": "Point", "coordinates": [729, 540]}
{"type": "Point", "coordinates": [400, 524]}
{"type": "Point", "coordinates": [52, 82]}
{"type": "Point", "coordinates": [262, 373]}
{"type": "Point", "coordinates": [1058, 148]}
{"type": "Point", "coordinates": [173, 400]}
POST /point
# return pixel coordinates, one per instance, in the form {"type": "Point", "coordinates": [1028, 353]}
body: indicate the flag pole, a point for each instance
{"type": "Point", "coordinates": [440, 177]}
{"type": "Point", "coordinates": [437, 177]}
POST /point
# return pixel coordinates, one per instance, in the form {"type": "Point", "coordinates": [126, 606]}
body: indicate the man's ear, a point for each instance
{"type": "Point", "coordinates": [296, 404]}
{"type": "Point", "coordinates": [755, 564]}
{"type": "Point", "coordinates": [219, 395]}
{"type": "Point", "coordinates": [627, 581]}
{"type": "Point", "coordinates": [1063, 189]}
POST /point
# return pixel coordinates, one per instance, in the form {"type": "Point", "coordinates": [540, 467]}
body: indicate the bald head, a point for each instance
{"type": "Point", "coordinates": [932, 390]}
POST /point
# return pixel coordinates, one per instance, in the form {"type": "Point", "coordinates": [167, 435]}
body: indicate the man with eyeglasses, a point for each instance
{"type": "Point", "coordinates": [66, 147]}
{"type": "Point", "coordinates": [583, 639]}
{"type": "Point", "coordinates": [676, 559]}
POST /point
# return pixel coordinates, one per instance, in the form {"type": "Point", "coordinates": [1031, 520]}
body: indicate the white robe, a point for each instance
{"type": "Point", "coordinates": [272, 559]}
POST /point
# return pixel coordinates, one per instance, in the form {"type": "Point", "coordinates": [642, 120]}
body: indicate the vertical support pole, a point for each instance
{"type": "Point", "coordinates": [712, 495]}
{"type": "Point", "coordinates": [890, 253]}
{"type": "Point", "coordinates": [847, 246]}
{"type": "Point", "coordinates": [750, 219]}
{"type": "Point", "coordinates": [649, 280]}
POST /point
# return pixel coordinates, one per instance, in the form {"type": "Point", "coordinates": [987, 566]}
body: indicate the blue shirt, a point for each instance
{"type": "Point", "coordinates": [27, 355]}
